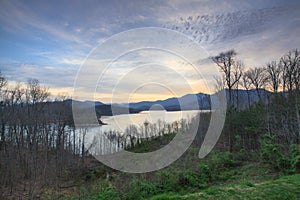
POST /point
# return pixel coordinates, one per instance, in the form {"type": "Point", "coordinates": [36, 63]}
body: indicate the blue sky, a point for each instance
{"type": "Point", "coordinates": [49, 40]}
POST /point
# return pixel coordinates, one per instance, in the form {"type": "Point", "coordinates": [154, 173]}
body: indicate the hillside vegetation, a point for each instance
{"type": "Point", "coordinates": [221, 175]}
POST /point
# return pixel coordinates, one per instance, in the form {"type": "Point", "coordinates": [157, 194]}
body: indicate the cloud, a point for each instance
{"type": "Point", "coordinates": [52, 76]}
{"type": "Point", "coordinates": [21, 18]}
{"type": "Point", "coordinates": [72, 61]}
{"type": "Point", "coordinates": [222, 27]}
{"type": "Point", "coordinates": [49, 40]}
{"type": "Point", "coordinates": [137, 71]}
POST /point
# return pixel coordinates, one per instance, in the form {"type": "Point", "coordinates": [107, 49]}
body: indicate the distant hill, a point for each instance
{"type": "Point", "coordinates": [187, 102]}
{"type": "Point", "coordinates": [101, 109]}
{"type": "Point", "coordinates": [85, 104]}
{"type": "Point", "coordinates": [246, 98]}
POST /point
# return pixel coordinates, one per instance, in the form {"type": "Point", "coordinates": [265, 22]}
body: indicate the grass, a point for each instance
{"type": "Point", "coordinates": [286, 187]}
{"type": "Point", "coordinates": [249, 180]}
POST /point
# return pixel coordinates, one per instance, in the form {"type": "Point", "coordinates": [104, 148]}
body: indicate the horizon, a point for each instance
{"type": "Point", "coordinates": [171, 97]}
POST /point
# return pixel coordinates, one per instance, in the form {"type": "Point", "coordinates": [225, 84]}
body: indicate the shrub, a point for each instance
{"type": "Point", "coordinates": [205, 174]}
{"type": "Point", "coordinates": [270, 151]}
{"type": "Point", "coordinates": [273, 154]}
{"type": "Point", "coordinates": [190, 179]}
{"type": "Point", "coordinates": [295, 158]}
{"type": "Point", "coordinates": [143, 189]}
{"type": "Point", "coordinates": [222, 161]}
{"type": "Point", "coordinates": [168, 180]}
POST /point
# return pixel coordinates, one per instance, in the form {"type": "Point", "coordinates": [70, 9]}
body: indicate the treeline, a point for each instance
{"type": "Point", "coordinates": [277, 115]}
{"type": "Point", "coordinates": [38, 144]}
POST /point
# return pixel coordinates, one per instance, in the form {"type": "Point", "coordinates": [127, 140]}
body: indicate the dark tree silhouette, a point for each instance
{"type": "Point", "coordinates": [231, 70]}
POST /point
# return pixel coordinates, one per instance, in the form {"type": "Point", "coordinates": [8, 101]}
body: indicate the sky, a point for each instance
{"type": "Point", "coordinates": [53, 41]}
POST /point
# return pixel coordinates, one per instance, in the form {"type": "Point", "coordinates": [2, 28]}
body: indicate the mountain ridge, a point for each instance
{"type": "Point", "coordinates": [199, 101]}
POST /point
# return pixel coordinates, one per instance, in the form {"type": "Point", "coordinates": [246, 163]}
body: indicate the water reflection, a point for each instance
{"type": "Point", "coordinates": [127, 130]}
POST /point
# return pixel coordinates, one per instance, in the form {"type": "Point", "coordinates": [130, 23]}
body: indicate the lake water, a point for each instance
{"type": "Point", "coordinates": [121, 122]}
{"type": "Point", "coordinates": [120, 129]}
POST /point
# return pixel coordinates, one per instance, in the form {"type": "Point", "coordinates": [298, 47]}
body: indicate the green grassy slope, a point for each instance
{"type": "Point", "coordinates": [286, 187]}
{"type": "Point", "coordinates": [221, 175]}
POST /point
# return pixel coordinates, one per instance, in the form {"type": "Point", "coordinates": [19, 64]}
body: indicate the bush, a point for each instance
{"type": "Point", "coordinates": [219, 167]}
{"type": "Point", "coordinates": [295, 158]}
{"type": "Point", "coordinates": [242, 155]}
{"type": "Point", "coordinates": [101, 191]}
{"type": "Point", "coordinates": [168, 180]}
{"type": "Point", "coordinates": [269, 151]}
{"type": "Point", "coordinates": [205, 174]}
{"type": "Point", "coordinates": [190, 180]}
{"type": "Point", "coordinates": [143, 189]}
{"type": "Point", "coordinates": [273, 154]}
{"type": "Point", "coordinates": [222, 161]}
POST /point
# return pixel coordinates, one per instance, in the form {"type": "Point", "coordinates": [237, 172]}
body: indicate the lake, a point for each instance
{"type": "Point", "coordinates": [121, 122]}
{"type": "Point", "coordinates": [126, 130]}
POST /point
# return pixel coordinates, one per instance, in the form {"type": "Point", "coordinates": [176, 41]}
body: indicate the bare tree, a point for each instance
{"type": "Point", "coordinates": [246, 84]}
{"type": "Point", "coordinates": [219, 83]}
{"type": "Point", "coordinates": [35, 92]}
{"type": "Point", "coordinates": [238, 69]}
{"type": "Point", "coordinates": [3, 81]}
{"type": "Point", "coordinates": [291, 79]}
{"type": "Point", "coordinates": [258, 78]}
{"type": "Point", "coordinates": [226, 63]}
{"type": "Point", "coordinates": [32, 132]}
{"type": "Point", "coordinates": [291, 72]}
{"type": "Point", "coordinates": [274, 73]}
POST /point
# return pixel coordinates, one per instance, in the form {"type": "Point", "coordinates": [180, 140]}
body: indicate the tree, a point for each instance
{"type": "Point", "coordinates": [291, 72]}
{"type": "Point", "coordinates": [274, 72]}
{"type": "Point", "coordinates": [219, 83]}
{"type": "Point", "coordinates": [238, 69]}
{"type": "Point", "coordinates": [226, 63]}
{"type": "Point", "coordinates": [258, 78]}
{"type": "Point", "coordinates": [3, 83]}
{"type": "Point", "coordinates": [37, 137]}
{"type": "Point", "coordinates": [35, 92]}
{"type": "Point", "coordinates": [246, 83]}
{"type": "Point", "coordinates": [291, 80]}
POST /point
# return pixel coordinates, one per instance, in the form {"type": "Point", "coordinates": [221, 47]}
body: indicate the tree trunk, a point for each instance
{"type": "Point", "coordinates": [297, 116]}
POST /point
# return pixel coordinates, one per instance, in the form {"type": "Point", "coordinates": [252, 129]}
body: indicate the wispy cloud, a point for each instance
{"type": "Point", "coordinates": [53, 76]}
{"type": "Point", "coordinates": [72, 61]}
{"type": "Point", "coordinates": [21, 18]}
{"type": "Point", "coordinates": [50, 40]}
